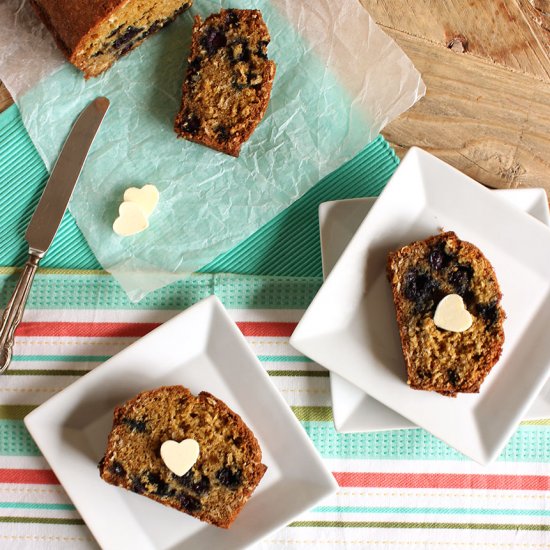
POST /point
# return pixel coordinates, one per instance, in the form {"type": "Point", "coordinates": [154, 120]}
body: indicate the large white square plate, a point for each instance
{"type": "Point", "coordinates": [353, 409]}
{"type": "Point", "coordinates": [350, 326]}
{"type": "Point", "coordinates": [201, 349]}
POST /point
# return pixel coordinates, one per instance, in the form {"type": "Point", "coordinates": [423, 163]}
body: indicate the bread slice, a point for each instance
{"type": "Point", "coordinates": [423, 273]}
{"type": "Point", "coordinates": [93, 34]}
{"type": "Point", "coordinates": [228, 82]}
{"type": "Point", "coordinates": [224, 476]}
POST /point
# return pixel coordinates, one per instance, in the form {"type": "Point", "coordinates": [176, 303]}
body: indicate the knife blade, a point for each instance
{"type": "Point", "coordinates": [48, 215]}
{"type": "Point", "coordinates": [59, 189]}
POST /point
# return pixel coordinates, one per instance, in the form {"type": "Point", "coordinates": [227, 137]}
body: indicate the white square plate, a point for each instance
{"type": "Point", "coordinates": [350, 326]}
{"type": "Point", "coordinates": [201, 349]}
{"type": "Point", "coordinates": [353, 409]}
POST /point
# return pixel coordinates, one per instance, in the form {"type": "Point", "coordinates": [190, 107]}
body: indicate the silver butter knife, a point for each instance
{"type": "Point", "coordinates": [48, 215]}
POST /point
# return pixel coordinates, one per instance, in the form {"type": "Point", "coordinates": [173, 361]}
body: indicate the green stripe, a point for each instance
{"type": "Point", "coordinates": [15, 412]}
{"type": "Point", "coordinates": [45, 372]}
{"type": "Point", "coordinates": [63, 358]}
{"type": "Point", "coordinates": [421, 525]}
{"type": "Point", "coordinates": [61, 372]}
{"type": "Point", "coordinates": [313, 414]}
{"type": "Point", "coordinates": [306, 373]}
{"type": "Point", "coordinates": [541, 422]}
{"type": "Point", "coordinates": [37, 506]}
{"type": "Point", "coordinates": [50, 521]}
{"type": "Point", "coordinates": [284, 359]}
{"type": "Point", "coordinates": [441, 511]}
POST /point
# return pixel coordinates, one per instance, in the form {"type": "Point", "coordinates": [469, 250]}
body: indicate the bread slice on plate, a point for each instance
{"type": "Point", "coordinates": [421, 275]}
{"type": "Point", "coordinates": [222, 479]}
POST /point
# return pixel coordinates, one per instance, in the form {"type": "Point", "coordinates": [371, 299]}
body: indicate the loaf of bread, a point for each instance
{"type": "Point", "coordinates": [228, 81]}
{"type": "Point", "coordinates": [93, 34]}
{"type": "Point", "coordinates": [228, 467]}
{"type": "Point", "coordinates": [421, 275]}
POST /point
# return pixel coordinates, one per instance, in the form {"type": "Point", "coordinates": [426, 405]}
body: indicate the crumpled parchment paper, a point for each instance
{"type": "Point", "coordinates": [339, 80]}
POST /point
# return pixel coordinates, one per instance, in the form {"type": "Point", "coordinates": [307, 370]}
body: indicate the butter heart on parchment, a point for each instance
{"type": "Point", "coordinates": [131, 219]}
{"type": "Point", "coordinates": [179, 457]}
{"type": "Point", "coordinates": [147, 197]}
{"type": "Point", "coordinates": [451, 314]}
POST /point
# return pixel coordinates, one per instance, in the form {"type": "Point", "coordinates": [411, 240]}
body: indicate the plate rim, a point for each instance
{"type": "Point", "coordinates": [304, 340]}
{"type": "Point", "coordinates": [42, 418]}
{"type": "Point", "coordinates": [542, 213]}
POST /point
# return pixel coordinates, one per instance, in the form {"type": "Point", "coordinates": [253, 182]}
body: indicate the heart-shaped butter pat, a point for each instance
{"type": "Point", "coordinates": [451, 314]}
{"type": "Point", "coordinates": [179, 457]}
{"type": "Point", "coordinates": [147, 197]}
{"type": "Point", "coordinates": [131, 219]}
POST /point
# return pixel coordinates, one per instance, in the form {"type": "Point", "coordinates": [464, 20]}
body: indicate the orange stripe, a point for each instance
{"type": "Point", "coordinates": [267, 329]}
{"type": "Point", "coordinates": [443, 481]}
{"type": "Point", "coordinates": [361, 479]}
{"type": "Point", "coordinates": [136, 330]}
{"type": "Point", "coordinates": [119, 330]}
{"type": "Point", "coordinates": [42, 477]}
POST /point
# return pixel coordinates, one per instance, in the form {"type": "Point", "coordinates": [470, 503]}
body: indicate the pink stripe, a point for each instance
{"type": "Point", "coordinates": [136, 330]}
{"type": "Point", "coordinates": [443, 481]}
{"type": "Point", "coordinates": [43, 477]}
{"type": "Point", "coordinates": [111, 330]}
{"type": "Point", "coordinates": [267, 329]}
{"type": "Point", "coordinates": [362, 479]}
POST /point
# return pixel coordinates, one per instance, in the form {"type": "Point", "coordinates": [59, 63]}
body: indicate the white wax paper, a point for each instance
{"type": "Point", "coordinates": [339, 80]}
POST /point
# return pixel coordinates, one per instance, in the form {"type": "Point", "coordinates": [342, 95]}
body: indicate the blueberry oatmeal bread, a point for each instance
{"type": "Point", "coordinates": [228, 80]}
{"type": "Point", "coordinates": [93, 34]}
{"type": "Point", "coordinates": [421, 275]}
{"type": "Point", "coordinates": [228, 467]}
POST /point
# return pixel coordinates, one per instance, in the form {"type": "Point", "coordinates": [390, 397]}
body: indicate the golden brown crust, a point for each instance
{"type": "Point", "coordinates": [71, 20]}
{"type": "Point", "coordinates": [421, 274]}
{"type": "Point", "coordinates": [93, 34]}
{"type": "Point", "coordinates": [228, 468]}
{"type": "Point", "coordinates": [228, 81]}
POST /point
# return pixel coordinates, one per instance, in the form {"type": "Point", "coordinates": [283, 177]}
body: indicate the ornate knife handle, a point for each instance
{"type": "Point", "coordinates": [14, 310]}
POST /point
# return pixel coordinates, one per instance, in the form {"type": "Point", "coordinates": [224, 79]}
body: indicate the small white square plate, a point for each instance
{"type": "Point", "coordinates": [350, 326]}
{"type": "Point", "coordinates": [201, 349]}
{"type": "Point", "coordinates": [353, 409]}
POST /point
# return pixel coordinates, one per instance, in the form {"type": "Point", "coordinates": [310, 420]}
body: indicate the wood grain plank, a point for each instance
{"type": "Point", "coordinates": [510, 33]}
{"type": "Point", "coordinates": [487, 121]}
{"type": "Point", "coordinates": [5, 98]}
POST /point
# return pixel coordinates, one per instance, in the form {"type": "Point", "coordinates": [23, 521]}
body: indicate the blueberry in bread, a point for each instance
{"type": "Point", "coordinates": [222, 479]}
{"type": "Point", "coordinates": [93, 34]}
{"type": "Point", "coordinates": [228, 81]}
{"type": "Point", "coordinates": [421, 275]}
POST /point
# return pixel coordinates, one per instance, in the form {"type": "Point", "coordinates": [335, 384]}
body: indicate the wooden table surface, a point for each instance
{"type": "Point", "coordinates": [486, 65]}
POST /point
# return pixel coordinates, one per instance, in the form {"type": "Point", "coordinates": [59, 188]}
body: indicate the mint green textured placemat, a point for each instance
{"type": "Point", "coordinates": [286, 245]}
{"type": "Point", "coordinates": [22, 179]}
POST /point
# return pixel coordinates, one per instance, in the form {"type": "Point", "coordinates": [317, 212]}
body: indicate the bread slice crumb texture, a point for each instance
{"type": "Point", "coordinates": [222, 479]}
{"type": "Point", "coordinates": [228, 81]}
{"type": "Point", "coordinates": [421, 275]}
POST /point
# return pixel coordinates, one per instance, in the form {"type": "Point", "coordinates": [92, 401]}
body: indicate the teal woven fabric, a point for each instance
{"type": "Point", "coordinates": [22, 178]}
{"type": "Point", "coordinates": [286, 245]}
{"type": "Point", "coordinates": [289, 244]}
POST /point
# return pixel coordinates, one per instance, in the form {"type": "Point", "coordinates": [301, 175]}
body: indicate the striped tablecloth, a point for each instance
{"type": "Point", "coordinates": [398, 489]}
